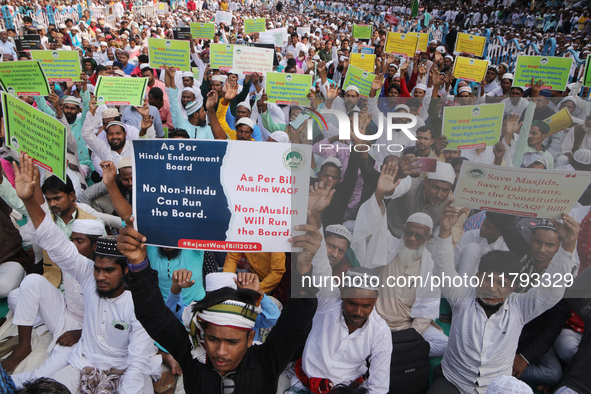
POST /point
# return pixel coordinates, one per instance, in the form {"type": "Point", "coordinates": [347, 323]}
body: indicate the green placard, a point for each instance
{"type": "Point", "coordinates": [363, 32]}
{"type": "Point", "coordinates": [204, 31]}
{"type": "Point", "coordinates": [170, 53]}
{"type": "Point", "coordinates": [165, 129]}
{"type": "Point", "coordinates": [120, 91]}
{"type": "Point", "coordinates": [360, 78]}
{"type": "Point", "coordinates": [196, 71]}
{"type": "Point", "coordinates": [221, 56]}
{"type": "Point", "coordinates": [24, 78]}
{"type": "Point", "coordinates": [31, 131]}
{"type": "Point", "coordinates": [59, 66]}
{"type": "Point", "coordinates": [472, 126]}
{"type": "Point", "coordinates": [254, 25]}
{"type": "Point", "coordinates": [553, 71]}
{"type": "Point", "coordinates": [587, 75]}
{"type": "Point", "coordinates": [282, 88]}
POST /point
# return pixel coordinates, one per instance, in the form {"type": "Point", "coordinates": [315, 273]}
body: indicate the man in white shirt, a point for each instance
{"type": "Point", "coordinates": [6, 45]}
{"type": "Point", "coordinates": [515, 104]}
{"type": "Point", "coordinates": [114, 346]}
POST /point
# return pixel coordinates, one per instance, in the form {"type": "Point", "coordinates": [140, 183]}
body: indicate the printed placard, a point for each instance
{"type": "Point", "coordinates": [169, 53]}
{"type": "Point", "coordinates": [470, 69]}
{"type": "Point", "coordinates": [472, 126]}
{"type": "Point", "coordinates": [254, 25]}
{"type": "Point", "coordinates": [363, 61]}
{"type": "Point", "coordinates": [360, 78]}
{"type": "Point", "coordinates": [223, 17]}
{"type": "Point", "coordinates": [221, 56]}
{"type": "Point", "coordinates": [559, 121]}
{"type": "Point", "coordinates": [59, 66]}
{"type": "Point", "coordinates": [363, 32]}
{"type": "Point", "coordinates": [553, 71]}
{"type": "Point", "coordinates": [202, 31]}
{"type": "Point", "coordinates": [24, 78]}
{"type": "Point", "coordinates": [120, 91]}
{"type": "Point", "coordinates": [470, 44]}
{"type": "Point", "coordinates": [247, 59]}
{"type": "Point", "coordinates": [282, 88]}
{"type": "Point", "coordinates": [401, 44]}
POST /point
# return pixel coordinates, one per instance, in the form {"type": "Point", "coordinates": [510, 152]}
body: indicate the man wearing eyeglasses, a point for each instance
{"type": "Point", "coordinates": [402, 265]}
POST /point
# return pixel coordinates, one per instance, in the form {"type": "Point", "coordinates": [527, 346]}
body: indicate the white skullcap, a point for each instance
{"type": "Point", "coordinates": [508, 385]}
{"type": "Point", "coordinates": [440, 49]}
{"type": "Point", "coordinates": [188, 89]}
{"type": "Point", "coordinates": [71, 100]}
{"type": "Point", "coordinates": [110, 113]}
{"type": "Point", "coordinates": [219, 78]}
{"type": "Point", "coordinates": [583, 156]}
{"type": "Point", "coordinates": [124, 163]}
{"type": "Point", "coordinates": [194, 106]}
{"type": "Point", "coordinates": [445, 172]}
{"type": "Point", "coordinates": [246, 121]}
{"type": "Point", "coordinates": [450, 57]}
{"type": "Point", "coordinates": [88, 227]}
{"type": "Point", "coordinates": [421, 86]}
{"type": "Point", "coordinates": [421, 218]}
{"type": "Point", "coordinates": [402, 106]}
{"type": "Point", "coordinates": [332, 160]}
{"type": "Point", "coordinates": [109, 63]}
{"type": "Point", "coordinates": [465, 89]}
{"type": "Point", "coordinates": [244, 104]}
{"type": "Point", "coordinates": [353, 88]}
{"type": "Point", "coordinates": [217, 280]}
{"type": "Point", "coordinates": [102, 43]}
{"type": "Point", "coordinates": [187, 74]}
{"type": "Point", "coordinates": [340, 230]}
{"type": "Point", "coordinates": [279, 136]}
{"type": "Point", "coordinates": [143, 66]}
{"type": "Point", "coordinates": [507, 76]}
{"type": "Point", "coordinates": [433, 42]}
{"type": "Point", "coordinates": [570, 86]}
{"type": "Point", "coordinates": [397, 75]}
{"type": "Point", "coordinates": [119, 72]}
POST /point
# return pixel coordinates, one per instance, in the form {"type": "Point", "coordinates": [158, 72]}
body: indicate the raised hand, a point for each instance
{"type": "Point", "coordinates": [387, 182]}
{"type": "Point", "coordinates": [144, 110]}
{"type": "Point", "coordinates": [109, 172]}
{"type": "Point", "coordinates": [212, 100]}
{"type": "Point", "coordinates": [231, 91]}
{"type": "Point", "coordinates": [568, 232]}
{"type": "Point", "coordinates": [513, 125]}
{"type": "Point", "coordinates": [449, 217]}
{"type": "Point", "coordinates": [377, 83]}
{"type": "Point", "coordinates": [332, 92]}
{"type": "Point", "coordinates": [25, 178]}
{"type": "Point", "coordinates": [310, 242]}
{"type": "Point", "coordinates": [181, 279]}
{"type": "Point", "coordinates": [147, 122]}
{"type": "Point", "coordinates": [248, 280]}
{"type": "Point", "coordinates": [320, 197]}
{"type": "Point", "coordinates": [131, 243]}
{"type": "Point", "coordinates": [499, 152]}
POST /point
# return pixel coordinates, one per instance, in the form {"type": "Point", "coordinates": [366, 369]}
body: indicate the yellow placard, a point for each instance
{"type": "Point", "coordinates": [423, 41]}
{"type": "Point", "coordinates": [470, 44]}
{"type": "Point", "coordinates": [363, 61]}
{"type": "Point", "coordinates": [559, 121]}
{"type": "Point", "coordinates": [470, 69]}
{"type": "Point", "coordinates": [401, 44]}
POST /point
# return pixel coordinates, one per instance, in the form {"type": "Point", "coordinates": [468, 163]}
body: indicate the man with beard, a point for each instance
{"type": "Point", "coordinates": [114, 347]}
{"type": "Point", "coordinates": [411, 304]}
{"type": "Point", "coordinates": [337, 239]}
{"type": "Point", "coordinates": [488, 317]}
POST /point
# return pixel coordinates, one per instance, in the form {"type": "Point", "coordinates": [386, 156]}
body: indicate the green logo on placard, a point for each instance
{"type": "Point", "coordinates": [362, 56]}
{"type": "Point", "coordinates": [238, 52]}
{"type": "Point", "coordinates": [167, 43]}
{"type": "Point", "coordinates": [475, 111]}
{"type": "Point", "coordinates": [365, 75]}
{"type": "Point", "coordinates": [294, 159]}
{"type": "Point", "coordinates": [14, 143]}
{"type": "Point", "coordinates": [544, 61]}
{"type": "Point", "coordinates": [10, 90]}
{"type": "Point", "coordinates": [471, 38]}
{"type": "Point", "coordinates": [472, 62]}
{"type": "Point", "coordinates": [403, 37]}
{"type": "Point", "coordinates": [228, 47]}
{"type": "Point", "coordinates": [100, 100]}
{"type": "Point", "coordinates": [288, 77]}
{"type": "Point", "coordinates": [55, 54]}
{"type": "Point", "coordinates": [476, 173]}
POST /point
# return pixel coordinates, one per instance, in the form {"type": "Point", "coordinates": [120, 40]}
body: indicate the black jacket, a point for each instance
{"type": "Point", "coordinates": [261, 366]}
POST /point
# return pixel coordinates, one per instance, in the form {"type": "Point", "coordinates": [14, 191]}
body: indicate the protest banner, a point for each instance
{"type": "Point", "coordinates": [360, 78]}
{"type": "Point", "coordinates": [470, 44]}
{"type": "Point", "coordinates": [519, 191]}
{"type": "Point", "coordinates": [28, 42]}
{"type": "Point", "coordinates": [120, 91]}
{"type": "Point", "coordinates": [363, 32]}
{"type": "Point", "coordinates": [587, 75]}
{"type": "Point", "coordinates": [35, 133]}
{"type": "Point", "coordinates": [470, 69]}
{"type": "Point", "coordinates": [401, 44]}
{"type": "Point", "coordinates": [24, 78]}
{"type": "Point", "coordinates": [221, 56]}
{"type": "Point", "coordinates": [269, 46]}
{"type": "Point", "coordinates": [59, 66]}
{"type": "Point", "coordinates": [254, 25]}
{"type": "Point", "coordinates": [472, 126]}
{"type": "Point", "coordinates": [363, 61]}
{"type": "Point", "coordinates": [282, 88]}
{"type": "Point", "coordinates": [553, 71]}
{"type": "Point", "coordinates": [247, 59]}
{"type": "Point", "coordinates": [217, 195]}
{"type": "Point", "coordinates": [302, 31]}
{"type": "Point", "coordinates": [202, 31]}
{"type": "Point", "coordinates": [223, 17]}
{"type": "Point", "coordinates": [181, 33]}
{"type": "Point", "coordinates": [277, 37]}
{"type": "Point", "coordinates": [559, 121]}
{"type": "Point", "coordinates": [169, 53]}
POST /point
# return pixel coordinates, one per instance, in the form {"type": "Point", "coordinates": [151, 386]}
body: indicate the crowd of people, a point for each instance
{"type": "Point", "coordinates": [129, 317]}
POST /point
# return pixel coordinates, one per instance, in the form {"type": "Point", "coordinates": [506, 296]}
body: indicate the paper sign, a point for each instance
{"type": "Point", "coordinates": [223, 17]}
{"type": "Point", "coordinates": [59, 66]}
{"type": "Point", "coordinates": [360, 78]}
{"type": "Point", "coordinates": [169, 53]}
{"type": "Point", "coordinates": [587, 75]}
{"type": "Point", "coordinates": [282, 88]}
{"type": "Point", "coordinates": [181, 33]}
{"type": "Point", "coordinates": [247, 60]}
{"type": "Point", "coordinates": [470, 44]}
{"type": "Point", "coordinates": [220, 195]}
{"type": "Point", "coordinates": [35, 133]}
{"type": "Point", "coordinates": [367, 49]}
{"type": "Point", "coordinates": [363, 61]}
{"type": "Point", "coordinates": [221, 56]}
{"type": "Point", "coordinates": [28, 42]}
{"type": "Point", "coordinates": [401, 44]}
{"type": "Point", "coordinates": [423, 41]}
{"type": "Point", "coordinates": [196, 73]}
{"type": "Point", "coordinates": [472, 126]}
{"type": "Point", "coordinates": [23, 78]}
{"type": "Point", "coordinates": [559, 121]}
{"type": "Point", "coordinates": [254, 25]}
{"type": "Point", "coordinates": [111, 16]}
{"type": "Point", "coordinates": [276, 37]}
{"type": "Point", "coordinates": [162, 8]}
{"type": "Point", "coordinates": [203, 31]}
{"type": "Point", "coordinates": [553, 71]}
{"type": "Point", "coordinates": [470, 69]}
{"type": "Point", "coordinates": [519, 191]}
{"type": "Point", "coordinates": [120, 91]}
{"type": "Point", "coordinates": [302, 31]}
{"type": "Point", "coordinates": [362, 32]}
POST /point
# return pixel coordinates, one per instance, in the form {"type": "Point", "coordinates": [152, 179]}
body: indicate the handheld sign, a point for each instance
{"type": "Point", "coordinates": [120, 91]}
{"type": "Point", "coordinates": [203, 31]}
{"type": "Point", "coordinates": [519, 191]}
{"type": "Point", "coordinates": [219, 195]}
{"type": "Point", "coordinates": [59, 66]}
{"type": "Point", "coordinates": [423, 41]}
{"type": "Point", "coordinates": [470, 69]}
{"type": "Point", "coordinates": [181, 33]}
{"type": "Point", "coordinates": [254, 25]}
{"type": "Point", "coordinates": [35, 133]}
{"type": "Point", "coordinates": [28, 42]}
{"type": "Point", "coordinates": [24, 78]}
{"type": "Point", "coordinates": [282, 88]}
{"type": "Point", "coordinates": [470, 44]}
{"type": "Point", "coordinates": [401, 44]}
{"type": "Point", "coordinates": [559, 121]}
{"type": "Point", "coordinates": [221, 56]}
{"type": "Point", "coordinates": [363, 32]}
{"type": "Point", "coordinates": [472, 126]}
{"type": "Point", "coordinates": [363, 61]}
{"type": "Point", "coordinates": [360, 78]}
{"type": "Point", "coordinates": [247, 59]}
{"type": "Point", "coordinates": [553, 71]}
{"type": "Point", "coordinates": [223, 17]}
{"type": "Point", "coordinates": [169, 53]}
{"type": "Point", "coordinates": [302, 31]}
{"type": "Point", "coordinates": [587, 74]}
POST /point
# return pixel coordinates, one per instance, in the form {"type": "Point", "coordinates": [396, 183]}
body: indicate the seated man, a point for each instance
{"type": "Point", "coordinates": [488, 318]}
{"type": "Point", "coordinates": [97, 195]}
{"type": "Point", "coordinates": [269, 267]}
{"type": "Point", "coordinates": [407, 304]}
{"type": "Point", "coordinates": [113, 343]}
{"type": "Point", "coordinates": [38, 301]}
